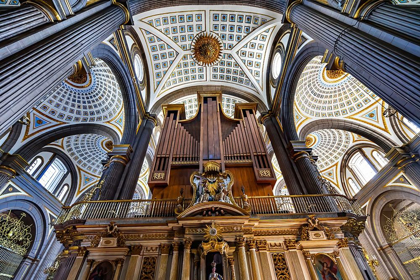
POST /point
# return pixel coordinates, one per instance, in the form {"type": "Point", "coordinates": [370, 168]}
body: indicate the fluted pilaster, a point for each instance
{"type": "Point", "coordinates": [243, 263]}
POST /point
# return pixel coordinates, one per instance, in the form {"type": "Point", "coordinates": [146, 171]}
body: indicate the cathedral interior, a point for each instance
{"type": "Point", "coordinates": [210, 139]}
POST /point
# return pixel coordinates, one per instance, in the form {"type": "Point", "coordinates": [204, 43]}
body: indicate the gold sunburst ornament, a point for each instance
{"type": "Point", "coordinates": [207, 49]}
{"type": "Point", "coordinates": [213, 232]}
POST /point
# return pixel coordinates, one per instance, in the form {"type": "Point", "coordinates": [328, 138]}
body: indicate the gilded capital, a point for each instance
{"type": "Point", "coordinates": [175, 246]}
{"type": "Point", "coordinates": [262, 245]}
{"type": "Point", "coordinates": [136, 249]}
{"type": "Point", "coordinates": [165, 248]}
{"type": "Point", "coordinates": [240, 242]}
{"type": "Point", "coordinates": [187, 243]}
{"type": "Point", "coordinates": [252, 244]}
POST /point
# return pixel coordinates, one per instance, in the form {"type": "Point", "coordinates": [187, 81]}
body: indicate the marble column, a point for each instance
{"type": "Point", "coordinates": [174, 265]}
{"type": "Point", "coordinates": [255, 264]}
{"type": "Point", "coordinates": [113, 171]}
{"type": "Point", "coordinates": [310, 265]}
{"type": "Point", "coordinates": [118, 269]}
{"type": "Point", "coordinates": [163, 264]}
{"type": "Point", "coordinates": [186, 264]}
{"type": "Point", "coordinates": [133, 270]}
{"type": "Point", "coordinates": [25, 76]}
{"type": "Point", "coordinates": [388, 70]}
{"type": "Point", "coordinates": [231, 262]}
{"type": "Point", "coordinates": [86, 270]}
{"type": "Point", "coordinates": [268, 271]}
{"type": "Point", "coordinates": [77, 264]}
{"type": "Point", "coordinates": [243, 263]}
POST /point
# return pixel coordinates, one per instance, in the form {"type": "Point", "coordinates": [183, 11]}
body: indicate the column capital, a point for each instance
{"type": "Point", "coordinates": [231, 260]}
{"type": "Point", "coordinates": [187, 243]}
{"type": "Point", "coordinates": [175, 246]}
{"type": "Point", "coordinates": [121, 153]}
{"type": "Point", "coordinates": [290, 244]}
{"type": "Point", "coordinates": [14, 164]}
{"type": "Point", "coordinates": [252, 244]}
{"type": "Point", "coordinates": [120, 261]}
{"type": "Point", "coordinates": [165, 248]}
{"type": "Point", "coordinates": [343, 243]}
{"type": "Point", "coordinates": [136, 249]}
{"type": "Point", "coordinates": [240, 242]}
{"type": "Point", "coordinates": [81, 252]}
{"type": "Point", "coordinates": [402, 156]}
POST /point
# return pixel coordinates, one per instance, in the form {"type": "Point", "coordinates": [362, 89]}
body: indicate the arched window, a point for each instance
{"type": "Point", "coordinates": [363, 169]}
{"type": "Point", "coordinates": [412, 126]}
{"type": "Point", "coordinates": [34, 166]}
{"type": "Point", "coordinates": [53, 174]}
{"type": "Point", "coordinates": [382, 161]}
{"type": "Point", "coordinates": [63, 192]}
{"type": "Point", "coordinates": [354, 187]}
{"type": "Point", "coordinates": [139, 67]}
{"type": "Point", "coordinates": [276, 65]}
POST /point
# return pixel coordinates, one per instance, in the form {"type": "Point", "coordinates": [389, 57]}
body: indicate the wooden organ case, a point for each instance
{"type": "Point", "coordinates": [185, 146]}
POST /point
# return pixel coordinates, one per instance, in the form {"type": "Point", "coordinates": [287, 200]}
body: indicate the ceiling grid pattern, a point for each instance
{"type": "Point", "coordinates": [246, 38]}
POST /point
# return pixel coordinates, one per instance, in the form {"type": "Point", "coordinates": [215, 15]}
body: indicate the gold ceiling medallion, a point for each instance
{"type": "Point", "coordinates": [207, 49]}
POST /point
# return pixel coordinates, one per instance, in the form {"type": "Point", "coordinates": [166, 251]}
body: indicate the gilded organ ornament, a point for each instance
{"type": "Point", "coordinates": [207, 49]}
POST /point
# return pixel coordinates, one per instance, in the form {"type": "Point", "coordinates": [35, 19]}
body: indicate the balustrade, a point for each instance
{"type": "Point", "coordinates": [165, 208]}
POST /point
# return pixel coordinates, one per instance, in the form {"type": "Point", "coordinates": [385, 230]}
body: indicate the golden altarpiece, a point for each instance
{"type": "Point", "coordinates": [212, 214]}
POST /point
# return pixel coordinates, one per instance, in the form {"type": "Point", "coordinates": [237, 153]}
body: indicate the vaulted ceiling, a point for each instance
{"type": "Point", "coordinates": [246, 36]}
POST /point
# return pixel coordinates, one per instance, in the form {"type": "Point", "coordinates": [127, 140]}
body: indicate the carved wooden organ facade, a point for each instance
{"type": "Point", "coordinates": [185, 146]}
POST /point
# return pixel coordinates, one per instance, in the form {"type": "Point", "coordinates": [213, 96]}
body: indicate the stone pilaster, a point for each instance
{"type": "Point", "coordinates": [133, 270]}
{"type": "Point", "coordinates": [163, 264]}
{"type": "Point", "coordinates": [186, 264]}
{"type": "Point", "coordinates": [406, 160]}
{"type": "Point", "coordinates": [268, 271]}
{"type": "Point", "coordinates": [255, 264]}
{"type": "Point", "coordinates": [296, 262]}
{"type": "Point", "coordinates": [86, 270]}
{"type": "Point", "coordinates": [340, 35]}
{"type": "Point", "coordinates": [243, 263]}
{"type": "Point", "coordinates": [309, 264]}
{"type": "Point", "coordinates": [77, 265]}
{"type": "Point", "coordinates": [118, 269]}
{"type": "Point", "coordinates": [174, 265]}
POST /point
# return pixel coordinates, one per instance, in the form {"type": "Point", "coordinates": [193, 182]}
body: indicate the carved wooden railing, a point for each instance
{"type": "Point", "coordinates": [165, 208]}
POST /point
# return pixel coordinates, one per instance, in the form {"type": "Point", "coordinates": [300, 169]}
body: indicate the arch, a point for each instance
{"type": "Point", "coordinates": [157, 106]}
{"type": "Point", "coordinates": [382, 141]}
{"type": "Point", "coordinates": [39, 161]}
{"type": "Point", "coordinates": [286, 101]}
{"type": "Point", "coordinates": [70, 167]}
{"type": "Point", "coordinates": [33, 147]}
{"type": "Point", "coordinates": [39, 217]}
{"type": "Point", "coordinates": [111, 58]}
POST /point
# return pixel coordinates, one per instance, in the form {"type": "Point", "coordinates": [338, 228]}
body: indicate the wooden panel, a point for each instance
{"type": "Point", "coordinates": [244, 176]}
{"type": "Point", "coordinates": [180, 179]}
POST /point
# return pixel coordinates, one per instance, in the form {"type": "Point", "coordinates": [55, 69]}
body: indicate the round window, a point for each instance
{"type": "Point", "coordinates": [276, 65]}
{"type": "Point", "coordinates": [138, 67]}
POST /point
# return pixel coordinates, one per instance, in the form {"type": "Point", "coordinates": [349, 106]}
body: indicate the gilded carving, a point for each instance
{"type": "Point", "coordinates": [187, 243]}
{"type": "Point", "coordinates": [175, 246]}
{"type": "Point", "coordinates": [158, 175]}
{"type": "Point", "coordinates": [354, 227]}
{"type": "Point", "coordinates": [148, 268]}
{"type": "Point", "coordinates": [265, 173]}
{"type": "Point", "coordinates": [342, 243]}
{"type": "Point", "coordinates": [262, 245]}
{"type": "Point", "coordinates": [282, 271]}
{"type": "Point", "coordinates": [290, 244]}
{"type": "Point", "coordinates": [214, 240]}
{"type": "Point", "coordinates": [136, 249]}
{"type": "Point", "coordinates": [165, 248]}
{"type": "Point", "coordinates": [313, 224]}
{"type": "Point", "coordinates": [207, 49]}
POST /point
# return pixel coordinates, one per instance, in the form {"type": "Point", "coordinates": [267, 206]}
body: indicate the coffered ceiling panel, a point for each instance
{"type": "Point", "coordinates": [181, 42]}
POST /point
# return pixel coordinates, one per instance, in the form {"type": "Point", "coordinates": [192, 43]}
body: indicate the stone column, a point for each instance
{"type": "Point", "coordinates": [174, 265]}
{"type": "Point", "coordinates": [293, 183]}
{"type": "Point", "coordinates": [407, 160]}
{"type": "Point", "coordinates": [296, 262]}
{"type": "Point", "coordinates": [127, 187]}
{"type": "Point", "coordinates": [186, 264]}
{"type": "Point", "coordinates": [255, 264]}
{"type": "Point", "coordinates": [120, 156]}
{"type": "Point", "coordinates": [86, 270]}
{"type": "Point", "coordinates": [399, 267]}
{"type": "Point", "coordinates": [10, 167]}
{"type": "Point", "coordinates": [268, 271]}
{"type": "Point", "coordinates": [20, 20]}
{"type": "Point", "coordinates": [163, 264]}
{"type": "Point", "coordinates": [133, 270]}
{"type": "Point", "coordinates": [243, 263]}
{"type": "Point", "coordinates": [25, 76]}
{"type": "Point", "coordinates": [118, 270]}
{"type": "Point", "coordinates": [367, 55]}
{"type": "Point", "coordinates": [6, 174]}
{"type": "Point", "coordinates": [231, 262]}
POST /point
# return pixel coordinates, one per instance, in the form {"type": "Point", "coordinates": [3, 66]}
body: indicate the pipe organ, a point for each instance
{"type": "Point", "coordinates": [211, 136]}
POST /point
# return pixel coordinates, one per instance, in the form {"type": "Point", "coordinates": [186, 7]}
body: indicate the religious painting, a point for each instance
{"type": "Point", "coordinates": [214, 266]}
{"type": "Point", "coordinates": [103, 271]}
{"type": "Point", "coordinates": [326, 268]}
